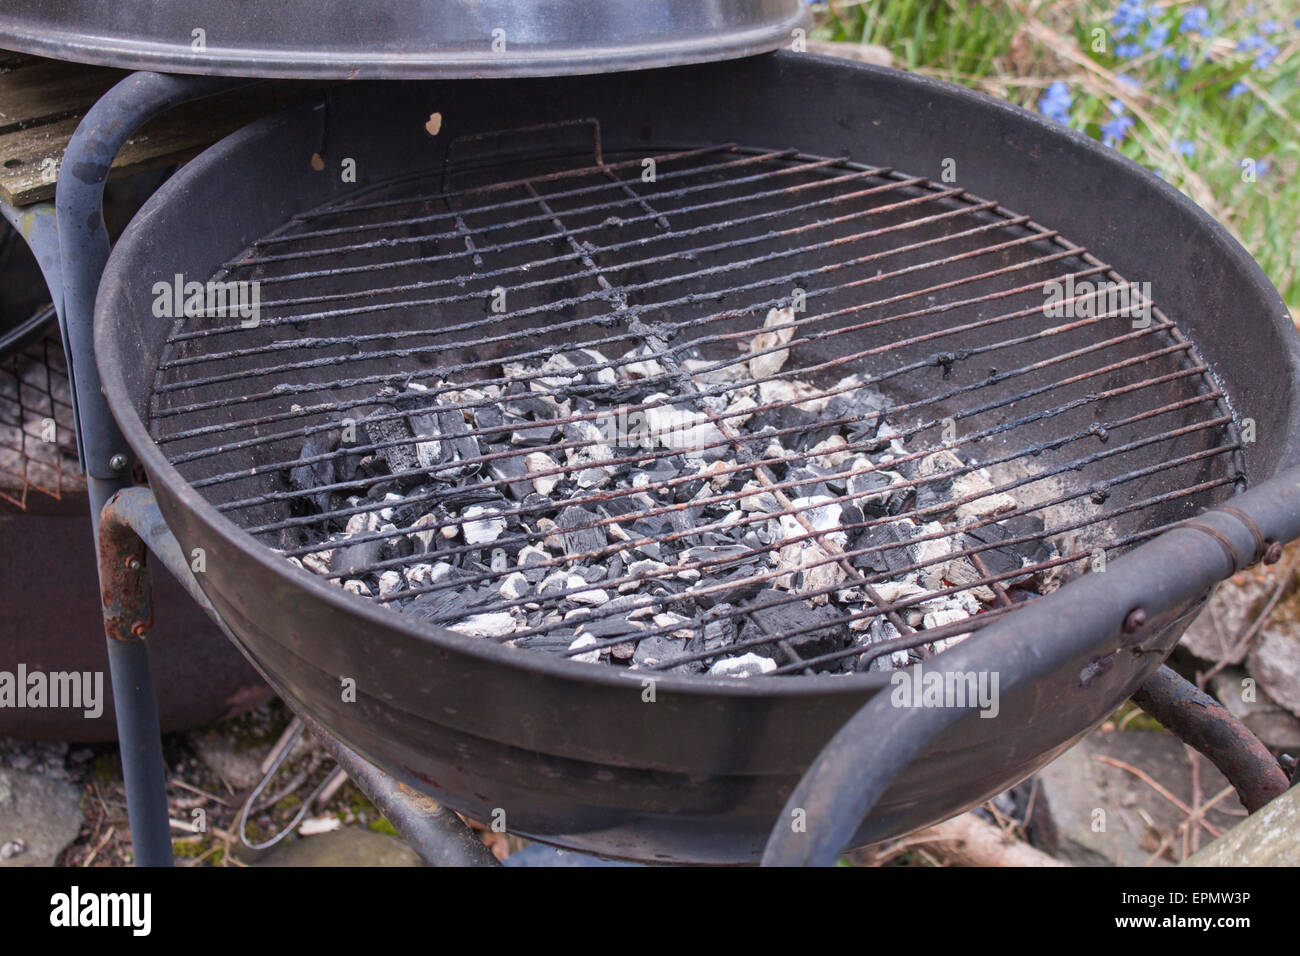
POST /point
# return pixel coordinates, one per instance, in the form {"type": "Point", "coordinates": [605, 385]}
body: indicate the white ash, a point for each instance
{"type": "Point", "coordinates": [628, 543]}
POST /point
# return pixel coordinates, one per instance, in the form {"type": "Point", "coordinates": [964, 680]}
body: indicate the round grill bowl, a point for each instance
{"type": "Point", "coordinates": [573, 753]}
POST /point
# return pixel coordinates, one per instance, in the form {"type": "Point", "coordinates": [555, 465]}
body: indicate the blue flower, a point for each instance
{"type": "Point", "coordinates": [1251, 41]}
{"type": "Point", "coordinates": [1131, 82]}
{"type": "Point", "coordinates": [1184, 63]}
{"type": "Point", "coordinates": [1171, 84]}
{"type": "Point", "coordinates": [1127, 51]}
{"type": "Point", "coordinates": [1055, 103]}
{"type": "Point", "coordinates": [1116, 130]}
{"type": "Point", "coordinates": [1237, 89]}
{"type": "Point", "coordinates": [1116, 107]}
{"type": "Point", "coordinates": [1158, 37]}
{"type": "Point", "coordinates": [1183, 147]}
{"type": "Point", "coordinates": [1129, 16]}
{"type": "Point", "coordinates": [1269, 27]}
{"type": "Point", "coordinates": [1265, 58]}
{"type": "Point", "coordinates": [1195, 20]}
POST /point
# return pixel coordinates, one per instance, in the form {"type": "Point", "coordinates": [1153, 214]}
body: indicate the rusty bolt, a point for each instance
{"type": "Point", "coordinates": [139, 628]}
{"type": "Point", "coordinates": [118, 462]}
{"type": "Point", "coordinates": [1274, 553]}
{"type": "Point", "coordinates": [132, 564]}
{"type": "Point", "coordinates": [1134, 620]}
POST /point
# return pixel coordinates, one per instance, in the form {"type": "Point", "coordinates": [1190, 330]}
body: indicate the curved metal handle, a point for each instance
{"type": "Point", "coordinates": [1161, 577]}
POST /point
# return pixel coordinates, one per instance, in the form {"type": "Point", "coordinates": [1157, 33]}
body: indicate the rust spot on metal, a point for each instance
{"type": "Point", "coordinates": [1135, 620]}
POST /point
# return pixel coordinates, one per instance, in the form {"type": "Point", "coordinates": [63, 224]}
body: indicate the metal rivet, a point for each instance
{"type": "Point", "coordinates": [118, 462]}
{"type": "Point", "coordinates": [1135, 619]}
{"type": "Point", "coordinates": [1274, 553]}
{"type": "Point", "coordinates": [139, 628]}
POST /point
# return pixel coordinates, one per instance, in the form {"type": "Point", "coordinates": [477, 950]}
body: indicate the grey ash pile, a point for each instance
{"type": "Point", "coordinates": [661, 510]}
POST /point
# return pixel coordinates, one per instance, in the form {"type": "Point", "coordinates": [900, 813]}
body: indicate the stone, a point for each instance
{"type": "Point", "coordinates": [1076, 786]}
{"type": "Point", "coordinates": [1268, 837]}
{"type": "Point", "coordinates": [39, 817]}
{"type": "Point", "coordinates": [1275, 658]}
{"type": "Point", "coordinates": [1276, 726]}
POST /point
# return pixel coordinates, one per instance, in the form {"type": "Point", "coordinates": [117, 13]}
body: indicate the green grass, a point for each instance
{"type": "Point", "coordinates": [1187, 124]}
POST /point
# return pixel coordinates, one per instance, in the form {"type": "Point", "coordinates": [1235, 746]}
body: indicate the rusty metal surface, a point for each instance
{"type": "Point", "coordinates": [123, 577]}
{"type": "Point", "coordinates": [1206, 725]}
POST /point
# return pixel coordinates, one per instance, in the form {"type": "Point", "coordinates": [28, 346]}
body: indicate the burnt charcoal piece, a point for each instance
{"type": "Point", "coordinates": [397, 546]}
{"type": "Point", "coordinates": [455, 445]}
{"type": "Point", "coordinates": [719, 556]}
{"type": "Point", "coordinates": [400, 456]}
{"type": "Point", "coordinates": [868, 491]}
{"type": "Point", "coordinates": [811, 482]}
{"type": "Point", "coordinates": [578, 538]}
{"type": "Point", "coordinates": [487, 418]}
{"type": "Point", "coordinates": [736, 588]}
{"type": "Point", "coordinates": [787, 416]}
{"type": "Point", "coordinates": [308, 477]}
{"type": "Point", "coordinates": [510, 469]}
{"type": "Point", "coordinates": [442, 607]}
{"type": "Point", "coordinates": [351, 558]}
{"type": "Point", "coordinates": [1009, 557]}
{"type": "Point", "coordinates": [607, 627]}
{"type": "Point", "coordinates": [660, 650]}
{"type": "Point", "coordinates": [772, 614]}
{"type": "Point", "coordinates": [864, 406]}
{"type": "Point", "coordinates": [553, 642]}
{"type": "Point", "coordinates": [886, 558]}
{"type": "Point", "coordinates": [936, 492]}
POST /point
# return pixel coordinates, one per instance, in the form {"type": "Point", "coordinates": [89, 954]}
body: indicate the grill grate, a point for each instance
{"type": "Point", "coordinates": [1105, 430]}
{"type": "Point", "coordinates": [38, 448]}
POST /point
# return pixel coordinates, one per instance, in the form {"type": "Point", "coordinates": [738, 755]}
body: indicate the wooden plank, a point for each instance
{"type": "Point", "coordinates": [46, 91]}
{"type": "Point", "coordinates": [29, 158]}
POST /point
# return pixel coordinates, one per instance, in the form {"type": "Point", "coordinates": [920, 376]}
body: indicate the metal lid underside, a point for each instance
{"type": "Point", "coordinates": [342, 39]}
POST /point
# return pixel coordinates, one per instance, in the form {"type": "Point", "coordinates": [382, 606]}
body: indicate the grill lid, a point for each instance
{"type": "Point", "coordinates": [338, 39]}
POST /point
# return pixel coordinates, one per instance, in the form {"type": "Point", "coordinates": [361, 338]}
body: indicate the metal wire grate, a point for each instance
{"type": "Point", "coordinates": [38, 447]}
{"type": "Point", "coordinates": [1104, 429]}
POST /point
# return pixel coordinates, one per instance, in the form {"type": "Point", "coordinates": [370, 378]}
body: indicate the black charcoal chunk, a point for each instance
{"type": "Point", "coordinates": [400, 455]}
{"type": "Point", "coordinates": [578, 537]}
{"type": "Point", "coordinates": [889, 548]}
{"type": "Point", "coordinates": [309, 476]}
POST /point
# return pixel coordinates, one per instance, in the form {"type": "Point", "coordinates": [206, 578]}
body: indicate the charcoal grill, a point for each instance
{"type": "Point", "coordinates": [926, 288]}
{"type": "Point", "coordinates": [911, 226]}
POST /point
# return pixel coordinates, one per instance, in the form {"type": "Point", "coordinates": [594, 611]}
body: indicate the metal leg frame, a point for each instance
{"type": "Point", "coordinates": [130, 528]}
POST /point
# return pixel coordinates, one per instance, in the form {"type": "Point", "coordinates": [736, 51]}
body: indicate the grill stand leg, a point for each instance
{"type": "Point", "coordinates": [105, 456]}
{"type": "Point", "coordinates": [131, 528]}
{"type": "Point", "coordinates": [1201, 722]}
